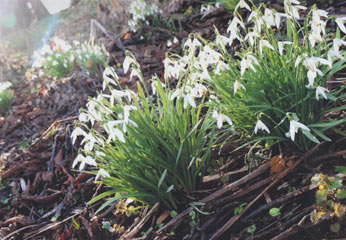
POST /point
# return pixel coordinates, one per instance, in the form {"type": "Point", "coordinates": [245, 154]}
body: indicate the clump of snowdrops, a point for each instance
{"type": "Point", "coordinates": [275, 87]}
{"type": "Point", "coordinates": [60, 59]}
{"type": "Point", "coordinates": [151, 148]}
{"type": "Point", "coordinates": [6, 97]}
{"type": "Point", "coordinates": [139, 10]}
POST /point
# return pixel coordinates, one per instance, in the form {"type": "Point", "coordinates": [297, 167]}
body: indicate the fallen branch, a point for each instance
{"type": "Point", "coordinates": [180, 217]}
{"type": "Point", "coordinates": [276, 179]}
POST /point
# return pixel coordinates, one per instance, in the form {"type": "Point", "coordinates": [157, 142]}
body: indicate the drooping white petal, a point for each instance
{"type": "Point", "coordinates": [102, 173]}
{"type": "Point", "coordinates": [321, 91]}
{"type": "Point", "coordinates": [261, 126]}
{"type": "Point", "coordinates": [341, 23]}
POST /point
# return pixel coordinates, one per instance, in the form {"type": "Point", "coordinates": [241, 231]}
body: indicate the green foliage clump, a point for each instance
{"type": "Point", "coordinates": [62, 58]}
{"type": "Point", "coordinates": [6, 98]}
{"type": "Point", "coordinates": [274, 88]}
{"type": "Point", "coordinates": [153, 148]}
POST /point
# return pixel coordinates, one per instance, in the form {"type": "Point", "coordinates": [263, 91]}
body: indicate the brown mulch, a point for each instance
{"type": "Point", "coordinates": [41, 197]}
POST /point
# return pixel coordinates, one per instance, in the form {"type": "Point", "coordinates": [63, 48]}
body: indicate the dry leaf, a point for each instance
{"type": "Point", "coordinates": [277, 164]}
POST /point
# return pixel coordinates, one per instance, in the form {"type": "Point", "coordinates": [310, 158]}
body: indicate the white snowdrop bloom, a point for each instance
{"type": "Point", "coordinates": [246, 63]}
{"type": "Point", "coordinates": [337, 43]}
{"type": "Point", "coordinates": [220, 118]}
{"type": "Point", "coordinates": [314, 37]}
{"type": "Point", "coordinates": [311, 65]}
{"type": "Point", "coordinates": [341, 23]}
{"type": "Point", "coordinates": [77, 132]}
{"type": "Point", "coordinates": [221, 66]}
{"type": "Point", "coordinates": [281, 46]}
{"type": "Point", "coordinates": [234, 31]}
{"type": "Point", "coordinates": [261, 126]}
{"type": "Point", "coordinates": [89, 141]}
{"type": "Point", "coordinates": [268, 17]}
{"type": "Point", "coordinates": [127, 62]}
{"type": "Point", "coordinates": [252, 36]}
{"type": "Point", "coordinates": [45, 50]}
{"type": "Point", "coordinates": [222, 41]}
{"type": "Point", "coordinates": [135, 73]}
{"type": "Point", "coordinates": [154, 85]}
{"type": "Point", "coordinates": [242, 4]}
{"type": "Point", "coordinates": [278, 17]}
{"type": "Point", "coordinates": [333, 53]}
{"type": "Point", "coordinates": [176, 94]}
{"type": "Point", "coordinates": [118, 94]}
{"type": "Point", "coordinates": [169, 43]}
{"type": "Point", "coordinates": [106, 80]}
{"type": "Point", "coordinates": [237, 85]}
{"type": "Point", "coordinates": [321, 91]}
{"type": "Point", "coordinates": [55, 63]}
{"type": "Point", "coordinates": [188, 99]}
{"type": "Point", "coordinates": [175, 40]}
{"type": "Point", "coordinates": [83, 160]}
{"type": "Point", "coordinates": [264, 43]}
{"type": "Point", "coordinates": [127, 110]}
{"type": "Point", "coordinates": [87, 160]}
{"type": "Point", "coordinates": [198, 90]}
{"type": "Point", "coordinates": [318, 13]}
{"type": "Point", "coordinates": [4, 86]}
{"type": "Point", "coordinates": [102, 173]}
{"type": "Point", "coordinates": [297, 62]}
{"type": "Point", "coordinates": [294, 127]}
{"type": "Point", "coordinates": [116, 134]}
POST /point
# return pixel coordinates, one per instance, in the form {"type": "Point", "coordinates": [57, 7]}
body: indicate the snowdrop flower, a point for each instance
{"type": "Point", "coordinates": [177, 94]}
{"type": "Point", "coordinates": [55, 63]}
{"type": "Point", "coordinates": [119, 94]}
{"type": "Point", "coordinates": [260, 125]}
{"type": "Point", "coordinates": [311, 65]}
{"type": "Point", "coordinates": [4, 86]}
{"type": "Point", "coordinates": [221, 66]}
{"type": "Point", "coordinates": [198, 91]}
{"type": "Point", "coordinates": [278, 17]}
{"type": "Point", "coordinates": [135, 73]}
{"type": "Point", "coordinates": [233, 30]}
{"type": "Point", "coordinates": [90, 142]}
{"type": "Point", "coordinates": [77, 132]}
{"type": "Point", "coordinates": [113, 132]}
{"type": "Point", "coordinates": [294, 127]}
{"type": "Point", "coordinates": [106, 80]}
{"type": "Point", "coordinates": [102, 173]}
{"type": "Point", "coordinates": [127, 62]}
{"type": "Point", "coordinates": [221, 41]}
{"type": "Point", "coordinates": [127, 110]}
{"type": "Point", "coordinates": [334, 53]}
{"type": "Point", "coordinates": [221, 118]}
{"type": "Point", "coordinates": [314, 37]}
{"type": "Point", "coordinates": [321, 91]}
{"type": "Point", "coordinates": [264, 43]}
{"type": "Point", "coordinates": [154, 84]}
{"type": "Point", "coordinates": [341, 23]}
{"type": "Point", "coordinates": [252, 36]}
{"type": "Point", "coordinates": [169, 43]}
{"type": "Point", "coordinates": [188, 99]}
{"type": "Point", "coordinates": [268, 18]}
{"type": "Point", "coordinates": [175, 40]}
{"type": "Point", "coordinates": [281, 46]}
{"type": "Point", "coordinates": [237, 85]}
{"type": "Point", "coordinates": [84, 160]}
{"type": "Point", "coordinates": [246, 63]}
{"type": "Point", "coordinates": [242, 4]}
